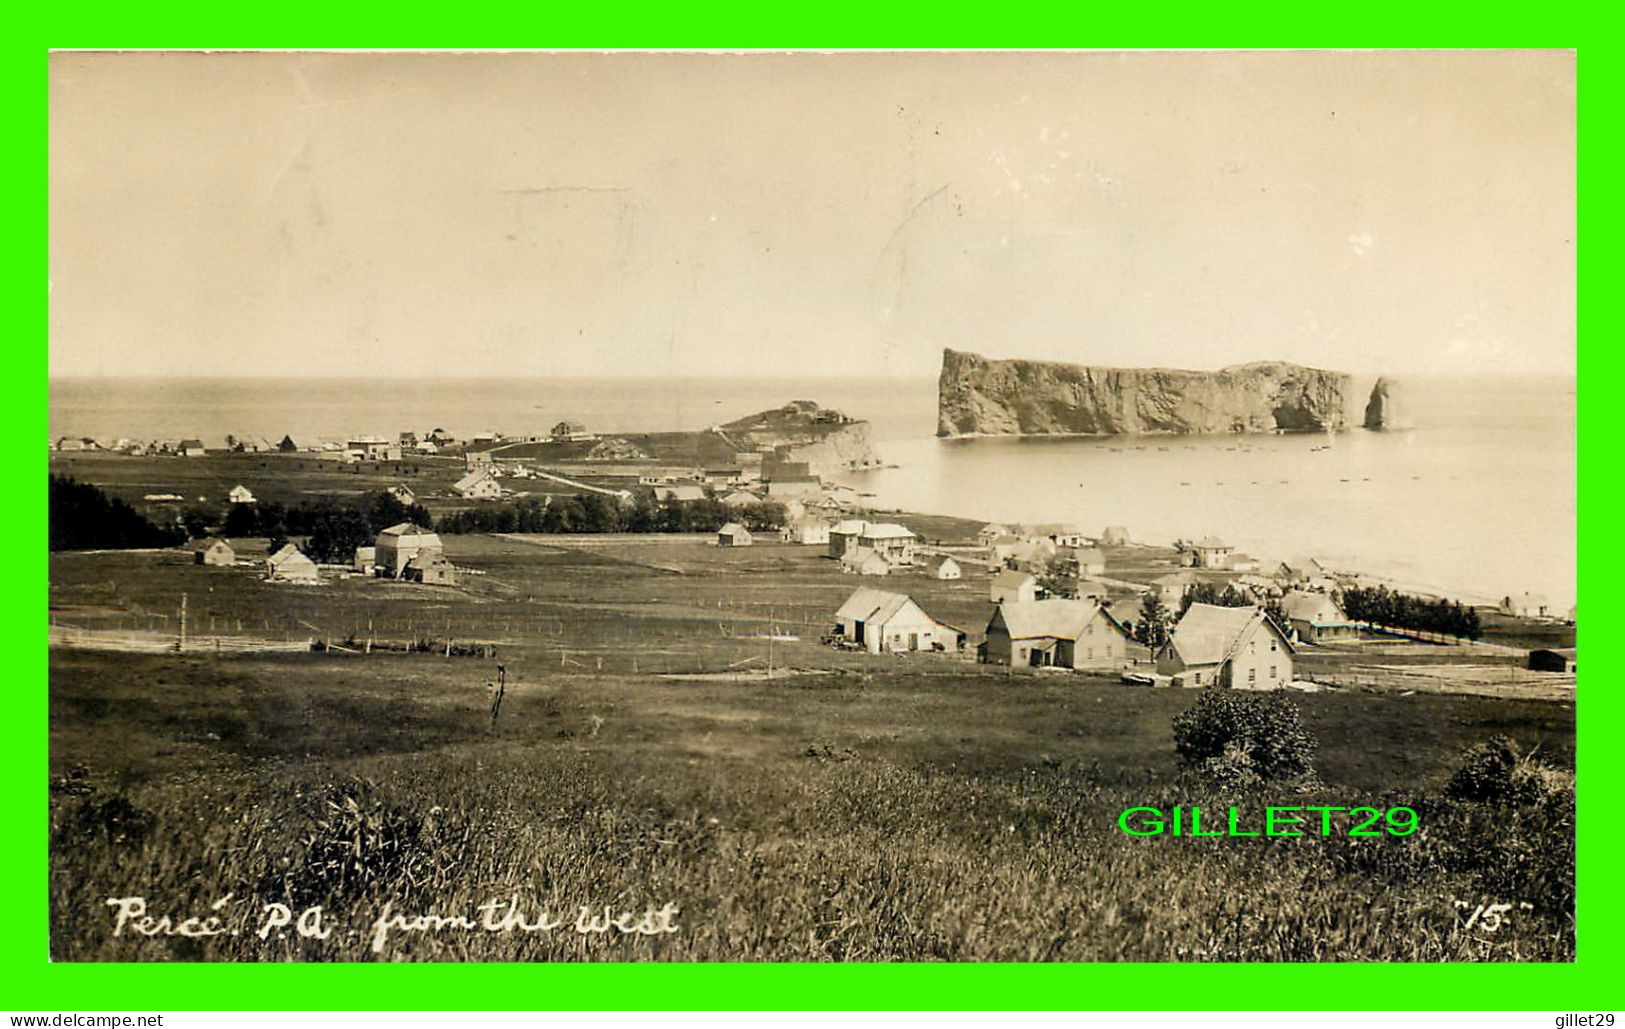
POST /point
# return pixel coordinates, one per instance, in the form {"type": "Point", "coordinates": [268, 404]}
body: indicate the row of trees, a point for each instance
{"type": "Point", "coordinates": [1382, 606]}
{"type": "Point", "coordinates": [82, 517]}
{"type": "Point", "coordinates": [593, 513]}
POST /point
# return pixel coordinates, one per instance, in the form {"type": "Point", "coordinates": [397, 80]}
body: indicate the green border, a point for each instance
{"type": "Point", "coordinates": [36, 984]}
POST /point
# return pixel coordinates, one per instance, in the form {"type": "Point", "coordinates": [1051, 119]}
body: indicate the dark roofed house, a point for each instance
{"type": "Point", "coordinates": [1555, 659]}
{"type": "Point", "coordinates": [1054, 633]}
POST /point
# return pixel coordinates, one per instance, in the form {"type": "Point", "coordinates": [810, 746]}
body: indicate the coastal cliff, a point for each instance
{"type": "Point", "coordinates": [978, 396]}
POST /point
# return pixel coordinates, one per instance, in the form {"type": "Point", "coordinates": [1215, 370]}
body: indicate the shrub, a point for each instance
{"type": "Point", "coordinates": [1497, 772]}
{"type": "Point", "coordinates": [1244, 737]}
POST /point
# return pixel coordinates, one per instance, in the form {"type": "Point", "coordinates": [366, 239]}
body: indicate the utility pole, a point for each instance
{"type": "Point", "coordinates": [180, 644]}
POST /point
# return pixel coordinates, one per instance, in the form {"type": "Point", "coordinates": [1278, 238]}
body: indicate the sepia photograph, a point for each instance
{"type": "Point", "coordinates": [915, 506]}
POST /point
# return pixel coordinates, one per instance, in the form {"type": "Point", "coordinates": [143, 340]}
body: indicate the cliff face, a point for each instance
{"type": "Point", "coordinates": [1383, 410]}
{"type": "Point", "coordinates": [848, 447]}
{"type": "Point", "coordinates": [976, 395]}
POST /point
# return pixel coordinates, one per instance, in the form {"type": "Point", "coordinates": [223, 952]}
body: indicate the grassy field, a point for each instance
{"type": "Point", "coordinates": [885, 808]}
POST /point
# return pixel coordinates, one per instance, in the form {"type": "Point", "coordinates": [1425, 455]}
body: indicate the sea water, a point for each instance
{"type": "Point", "coordinates": [1476, 499]}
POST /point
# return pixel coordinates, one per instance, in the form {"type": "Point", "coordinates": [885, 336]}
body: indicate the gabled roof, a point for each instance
{"type": "Point", "coordinates": [1060, 618]}
{"type": "Point", "coordinates": [1209, 634]}
{"type": "Point", "coordinates": [288, 552]}
{"type": "Point", "coordinates": [1012, 579]}
{"type": "Point", "coordinates": [850, 527]}
{"type": "Point", "coordinates": [473, 478]}
{"type": "Point", "coordinates": [406, 529]}
{"type": "Point", "coordinates": [1212, 543]}
{"type": "Point", "coordinates": [424, 558]}
{"type": "Point", "coordinates": [733, 529]}
{"type": "Point", "coordinates": [870, 605]}
{"type": "Point", "coordinates": [1316, 608]}
{"type": "Point", "coordinates": [937, 561]}
{"type": "Point", "coordinates": [886, 531]}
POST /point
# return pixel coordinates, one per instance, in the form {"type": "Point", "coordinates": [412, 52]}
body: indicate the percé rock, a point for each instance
{"type": "Point", "coordinates": [1383, 410]}
{"type": "Point", "coordinates": [978, 396]}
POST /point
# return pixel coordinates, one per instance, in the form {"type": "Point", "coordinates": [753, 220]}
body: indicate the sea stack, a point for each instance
{"type": "Point", "coordinates": [1382, 410]}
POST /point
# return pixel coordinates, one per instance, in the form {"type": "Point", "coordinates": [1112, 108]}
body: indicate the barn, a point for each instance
{"type": "Point", "coordinates": [878, 620]}
{"type": "Point", "coordinates": [734, 535]}
{"type": "Point", "coordinates": [1054, 633]}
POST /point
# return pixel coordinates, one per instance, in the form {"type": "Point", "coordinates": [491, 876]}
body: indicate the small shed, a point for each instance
{"type": "Point", "coordinates": [291, 565]}
{"type": "Point", "coordinates": [942, 566]}
{"type": "Point", "coordinates": [1556, 659]}
{"type": "Point", "coordinates": [734, 535]}
{"type": "Point", "coordinates": [864, 561]}
{"type": "Point", "coordinates": [240, 494]}
{"type": "Point", "coordinates": [213, 552]}
{"type": "Point", "coordinates": [366, 560]}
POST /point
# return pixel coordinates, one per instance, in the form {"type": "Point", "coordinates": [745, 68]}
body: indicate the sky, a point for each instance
{"type": "Point", "coordinates": [399, 215]}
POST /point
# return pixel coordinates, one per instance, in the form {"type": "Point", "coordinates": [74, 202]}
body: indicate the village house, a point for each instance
{"type": "Point", "coordinates": [1238, 647]}
{"type": "Point", "coordinates": [890, 540]}
{"type": "Point", "coordinates": [191, 448]}
{"type": "Point", "coordinates": [404, 494]}
{"type": "Point", "coordinates": [291, 565]}
{"type": "Point", "coordinates": [1114, 536]}
{"type": "Point", "coordinates": [366, 560]}
{"type": "Point", "coordinates": [723, 476]}
{"type": "Point", "coordinates": [881, 621]}
{"type": "Point", "coordinates": [398, 544]}
{"type": "Point", "coordinates": [1013, 587]}
{"type": "Point", "coordinates": [570, 432]}
{"type": "Point", "coordinates": [1069, 537]}
{"type": "Point", "coordinates": [1054, 633]}
{"type": "Point", "coordinates": [809, 532]}
{"type": "Point", "coordinates": [213, 552]}
{"type": "Point", "coordinates": [843, 536]}
{"type": "Point", "coordinates": [1210, 552]}
{"type": "Point", "coordinates": [739, 498]}
{"type": "Point", "coordinates": [1557, 659]}
{"type": "Point", "coordinates": [1171, 588]}
{"type": "Point", "coordinates": [1088, 560]}
{"type": "Point", "coordinates": [1031, 554]}
{"type": "Point", "coordinates": [863, 561]}
{"type": "Point", "coordinates": [991, 531]}
{"type": "Point", "coordinates": [734, 535]}
{"type": "Point", "coordinates": [240, 494]}
{"type": "Point", "coordinates": [478, 484]}
{"type": "Point", "coordinates": [289, 445]}
{"type": "Point", "coordinates": [941, 566]}
{"type": "Point", "coordinates": [1315, 616]}
{"type": "Point", "coordinates": [373, 448]}
{"type": "Point", "coordinates": [1001, 548]}
{"type": "Point", "coordinates": [430, 567]}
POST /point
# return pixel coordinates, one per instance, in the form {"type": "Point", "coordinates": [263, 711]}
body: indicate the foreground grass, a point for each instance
{"type": "Point", "coordinates": [839, 817]}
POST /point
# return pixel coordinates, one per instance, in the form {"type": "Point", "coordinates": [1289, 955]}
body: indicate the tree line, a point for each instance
{"type": "Point", "coordinates": [1382, 606]}
{"type": "Point", "coordinates": [593, 513]}
{"type": "Point", "coordinates": [82, 517]}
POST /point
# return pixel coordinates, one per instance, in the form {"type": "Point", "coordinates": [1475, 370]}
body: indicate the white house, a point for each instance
{"type": "Point", "coordinates": [478, 484]}
{"type": "Point", "coordinates": [1238, 647]}
{"type": "Point", "coordinates": [1011, 586]}
{"type": "Point", "coordinates": [404, 494]}
{"type": "Point", "coordinates": [240, 494]}
{"type": "Point", "coordinates": [809, 532]}
{"type": "Point", "coordinates": [399, 544]}
{"type": "Point", "coordinates": [864, 561]}
{"type": "Point", "coordinates": [213, 552]}
{"type": "Point", "coordinates": [1316, 616]}
{"type": "Point", "coordinates": [1210, 552]}
{"type": "Point", "coordinates": [879, 621]}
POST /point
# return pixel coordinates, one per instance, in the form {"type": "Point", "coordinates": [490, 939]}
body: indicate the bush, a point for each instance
{"type": "Point", "coordinates": [1497, 772]}
{"type": "Point", "coordinates": [1240, 738]}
